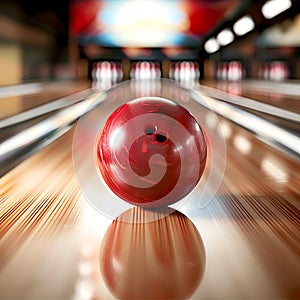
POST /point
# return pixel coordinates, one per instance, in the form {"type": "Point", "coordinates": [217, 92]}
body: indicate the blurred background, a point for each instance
{"type": "Point", "coordinates": [224, 40]}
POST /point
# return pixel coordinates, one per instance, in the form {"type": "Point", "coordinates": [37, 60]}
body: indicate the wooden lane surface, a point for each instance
{"type": "Point", "coordinates": [12, 105]}
{"type": "Point", "coordinates": [250, 230]}
{"type": "Point", "coordinates": [276, 99]}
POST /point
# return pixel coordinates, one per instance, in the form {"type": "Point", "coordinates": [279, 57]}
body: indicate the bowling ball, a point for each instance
{"type": "Point", "coordinates": [151, 152]}
{"type": "Point", "coordinates": [162, 259]}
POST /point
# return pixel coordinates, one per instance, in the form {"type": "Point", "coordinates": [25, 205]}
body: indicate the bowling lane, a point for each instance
{"type": "Point", "coordinates": [250, 229]}
{"type": "Point", "coordinates": [278, 94]}
{"type": "Point", "coordinates": [25, 138]}
{"type": "Point", "coordinates": [281, 109]}
{"type": "Point", "coordinates": [19, 98]}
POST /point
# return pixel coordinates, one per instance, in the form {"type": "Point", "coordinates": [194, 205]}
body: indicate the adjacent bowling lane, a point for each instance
{"type": "Point", "coordinates": [278, 94]}
{"type": "Point", "coordinates": [20, 98]}
{"type": "Point", "coordinates": [276, 102]}
{"type": "Point", "coordinates": [249, 230]}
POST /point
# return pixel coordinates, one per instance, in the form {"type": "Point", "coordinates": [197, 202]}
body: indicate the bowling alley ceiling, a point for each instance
{"type": "Point", "coordinates": [144, 23]}
{"type": "Point", "coordinates": [170, 27]}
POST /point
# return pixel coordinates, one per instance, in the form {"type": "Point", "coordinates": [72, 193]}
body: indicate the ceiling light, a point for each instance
{"type": "Point", "coordinates": [211, 45]}
{"type": "Point", "coordinates": [243, 25]}
{"type": "Point", "coordinates": [225, 37]}
{"type": "Point", "coordinates": [273, 8]}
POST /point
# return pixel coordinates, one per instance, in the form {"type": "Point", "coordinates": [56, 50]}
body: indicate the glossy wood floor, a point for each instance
{"type": "Point", "coordinates": [283, 95]}
{"type": "Point", "coordinates": [17, 99]}
{"type": "Point", "coordinates": [248, 236]}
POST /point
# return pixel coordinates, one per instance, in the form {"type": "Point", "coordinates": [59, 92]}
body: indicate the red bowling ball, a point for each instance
{"type": "Point", "coordinates": [151, 152]}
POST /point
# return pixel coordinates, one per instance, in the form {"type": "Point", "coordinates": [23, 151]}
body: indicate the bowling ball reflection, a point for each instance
{"type": "Point", "coordinates": [160, 259]}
